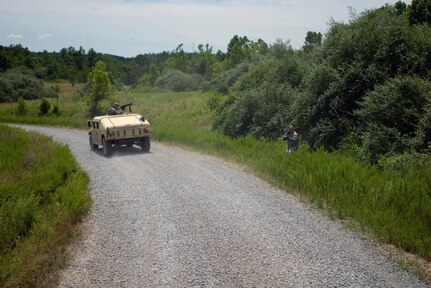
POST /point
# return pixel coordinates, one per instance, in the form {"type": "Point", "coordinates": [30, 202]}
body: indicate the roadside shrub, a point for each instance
{"type": "Point", "coordinates": [391, 114]}
{"type": "Point", "coordinates": [312, 109]}
{"type": "Point", "coordinates": [261, 112]}
{"type": "Point", "coordinates": [44, 106]}
{"type": "Point", "coordinates": [22, 107]}
{"type": "Point", "coordinates": [56, 111]}
{"type": "Point", "coordinates": [215, 101]}
{"type": "Point", "coordinates": [236, 116]}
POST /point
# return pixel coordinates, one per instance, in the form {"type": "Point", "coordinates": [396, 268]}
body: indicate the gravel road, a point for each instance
{"type": "Point", "coordinates": [173, 218]}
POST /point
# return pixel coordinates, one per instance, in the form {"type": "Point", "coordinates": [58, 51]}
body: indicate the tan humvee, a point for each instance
{"type": "Point", "coordinates": [111, 131]}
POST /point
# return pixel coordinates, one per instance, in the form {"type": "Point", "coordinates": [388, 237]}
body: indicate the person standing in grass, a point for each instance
{"type": "Point", "coordinates": [292, 139]}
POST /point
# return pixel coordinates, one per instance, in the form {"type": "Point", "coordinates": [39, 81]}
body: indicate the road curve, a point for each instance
{"type": "Point", "coordinates": [173, 218]}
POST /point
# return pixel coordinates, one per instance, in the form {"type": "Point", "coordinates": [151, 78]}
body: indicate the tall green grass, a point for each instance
{"type": "Point", "coordinates": [43, 194]}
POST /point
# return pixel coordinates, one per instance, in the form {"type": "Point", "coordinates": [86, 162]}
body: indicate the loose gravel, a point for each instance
{"type": "Point", "coordinates": [173, 218]}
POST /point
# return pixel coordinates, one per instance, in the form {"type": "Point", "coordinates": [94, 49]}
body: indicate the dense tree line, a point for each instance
{"type": "Point", "coordinates": [363, 86]}
{"type": "Point", "coordinates": [68, 64]}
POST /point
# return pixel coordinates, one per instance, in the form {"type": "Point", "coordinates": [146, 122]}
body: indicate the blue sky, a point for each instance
{"type": "Point", "coordinates": [132, 27]}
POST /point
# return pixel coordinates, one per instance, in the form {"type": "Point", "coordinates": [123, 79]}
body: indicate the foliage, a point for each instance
{"type": "Point", "coordinates": [391, 113]}
{"type": "Point", "coordinates": [226, 79]}
{"type": "Point", "coordinates": [56, 110]}
{"type": "Point", "coordinates": [22, 107]}
{"type": "Point", "coordinates": [260, 113]}
{"type": "Point", "coordinates": [178, 59]}
{"type": "Point", "coordinates": [178, 81]}
{"type": "Point", "coordinates": [44, 106]}
{"type": "Point", "coordinates": [280, 49]}
{"type": "Point", "coordinates": [15, 56]}
{"type": "Point", "coordinates": [149, 79]}
{"type": "Point", "coordinates": [215, 101]}
{"type": "Point", "coordinates": [331, 78]}
{"type": "Point", "coordinates": [262, 107]}
{"type": "Point", "coordinates": [418, 12]}
{"type": "Point", "coordinates": [42, 194]}
{"type": "Point", "coordinates": [51, 92]}
{"type": "Point", "coordinates": [202, 62]}
{"type": "Point", "coordinates": [100, 86]}
{"type": "Point", "coordinates": [20, 82]}
{"type": "Point", "coordinates": [312, 40]}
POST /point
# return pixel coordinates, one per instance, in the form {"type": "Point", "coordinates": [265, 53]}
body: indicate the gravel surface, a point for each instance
{"type": "Point", "coordinates": [173, 218]}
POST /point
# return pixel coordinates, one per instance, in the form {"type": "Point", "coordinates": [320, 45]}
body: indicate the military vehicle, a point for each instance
{"type": "Point", "coordinates": [111, 131]}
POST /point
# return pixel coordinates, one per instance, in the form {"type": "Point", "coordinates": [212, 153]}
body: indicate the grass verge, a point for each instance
{"type": "Point", "coordinates": [43, 195]}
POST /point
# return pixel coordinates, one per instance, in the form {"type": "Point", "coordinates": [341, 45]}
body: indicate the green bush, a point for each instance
{"type": "Point", "coordinates": [226, 79]}
{"type": "Point", "coordinates": [56, 111]}
{"type": "Point", "coordinates": [22, 107]}
{"type": "Point", "coordinates": [263, 112]}
{"type": "Point", "coordinates": [6, 89]}
{"type": "Point", "coordinates": [44, 106]}
{"type": "Point", "coordinates": [392, 113]}
{"type": "Point", "coordinates": [286, 71]}
{"type": "Point", "coordinates": [215, 101]}
{"type": "Point", "coordinates": [20, 82]}
{"type": "Point", "coordinates": [313, 108]}
{"type": "Point", "coordinates": [176, 80]}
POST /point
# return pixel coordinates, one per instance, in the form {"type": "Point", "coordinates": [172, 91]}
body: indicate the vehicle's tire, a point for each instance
{"type": "Point", "coordinates": [107, 147]}
{"type": "Point", "coordinates": [92, 145]}
{"type": "Point", "coordinates": [145, 144]}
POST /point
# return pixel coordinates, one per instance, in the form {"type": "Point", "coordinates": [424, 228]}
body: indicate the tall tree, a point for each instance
{"type": "Point", "coordinates": [100, 87]}
{"type": "Point", "coordinates": [400, 7]}
{"type": "Point", "coordinates": [178, 59]}
{"type": "Point", "coordinates": [312, 40]}
{"type": "Point", "coordinates": [238, 50]}
{"type": "Point", "coordinates": [419, 12]}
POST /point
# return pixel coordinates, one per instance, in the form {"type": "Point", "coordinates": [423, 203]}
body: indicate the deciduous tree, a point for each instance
{"type": "Point", "coordinates": [100, 87]}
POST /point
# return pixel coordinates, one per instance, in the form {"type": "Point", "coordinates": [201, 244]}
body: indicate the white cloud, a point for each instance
{"type": "Point", "coordinates": [14, 36]}
{"type": "Point", "coordinates": [44, 36]}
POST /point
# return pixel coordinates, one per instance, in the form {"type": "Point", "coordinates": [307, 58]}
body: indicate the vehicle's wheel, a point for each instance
{"type": "Point", "coordinates": [92, 145]}
{"type": "Point", "coordinates": [107, 147]}
{"type": "Point", "coordinates": [145, 144]}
